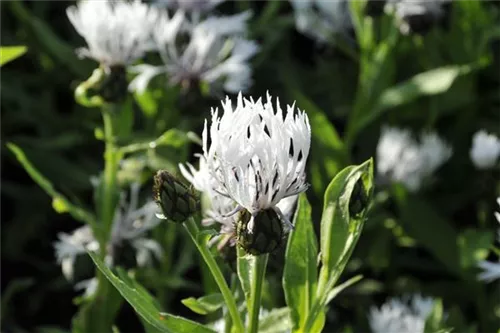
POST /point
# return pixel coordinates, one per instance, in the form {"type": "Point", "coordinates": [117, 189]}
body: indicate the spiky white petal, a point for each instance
{"type": "Point", "coordinates": [485, 149]}
{"type": "Point", "coordinates": [401, 315]}
{"type": "Point", "coordinates": [69, 246]}
{"type": "Point", "coordinates": [221, 206]}
{"type": "Point", "coordinates": [116, 32]}
{"type": "Point", "coordinates": [257, 155]}
{"type": "Point", "coordinates": [402, 159]}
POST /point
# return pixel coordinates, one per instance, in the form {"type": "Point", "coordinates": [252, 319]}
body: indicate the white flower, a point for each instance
{"type": "Point", "coordinates": [485, 149]}
{"type": "Point", "coordinates": [211, 51]}
{"type": "Point", "coordinates": [116, 32]}
{"type": "Point", "coordinates": [322, 19]}
{"type": "Point", "coordinates": [491, 270]}
{"type": "Point", "coordinates": [190, 5]}
{"type": "Point", "coordinates": [69, 246]}
{"type": "Point", "coordinates": [129, 224]}
{"type": "Point", "coordinates": [89, 285]}
{"type": "Point", "coordinates": [220, 205]}
{"type": "Point", "coordinates": [257, 155]}
{"type": "Point", "coordinates": [401, 315]}
{"type": "Point", "coordinates": [402, 159]}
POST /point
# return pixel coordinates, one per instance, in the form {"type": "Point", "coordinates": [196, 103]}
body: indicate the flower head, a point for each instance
{"type": "Point", "coordinates": [212, 51]}
{"type": "Point", "coordinates": [129, 225]}
{"type": "Point", "coordinates": [401, 158]}
{"type": "Point", "coordinates": [117, 32]}
{"type": "Point", "coordinates": [322, 19]}
{"type": "Point", "coordinates": [69, 246]}
{"type": "Point", "coordinates": [219, 206]}
{"type": "Point", "coordinates": [406, 315]}
{"type": "Point", "coordinates": [257, 155]}
{"type": "Point", "coordinates": [485, 149]}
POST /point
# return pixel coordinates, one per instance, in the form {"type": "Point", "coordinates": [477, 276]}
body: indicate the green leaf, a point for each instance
{"type": "Point", "coordinates": [204, 305]}
{"type": "Point", "coordinates": [145, 305]}
{"type": "Point", "coordinates": [244, 265]}
{"type": "Point", "coordinates": [338, 289]}
{"type": "Point", "coordinates": [300, 271]}
{"type": "Point", "coordinates": [433, 321]}
{"type": "Point", "coordinates": [339, 230]}
{"type": "Point", "coordinates": [422, 222]}
{"type": "Point", "coordinates": [432, 82]}
{"type": "Point", "coordinates": [9, 53]}
{"type": "Point", "coordinates": [61, 201]}
{"type": "Point", "coordinates": [346, 202]}
{"type": "Point", "coordinates": [276, 321]}
{"type": "Point", "coordinates": [173, 137]}
{"type": "Point", "coordinates": [328, 154]}
{"type": "Point", "coordinates": [474, 246]}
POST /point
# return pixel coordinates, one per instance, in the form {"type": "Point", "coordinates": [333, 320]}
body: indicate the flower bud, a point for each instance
{"type": "Point", "coordinates": [259, 234]}
{"type": "Point", "coordinates": [176, 200]}
{"type": "Point", "coordinates": [359, 199]}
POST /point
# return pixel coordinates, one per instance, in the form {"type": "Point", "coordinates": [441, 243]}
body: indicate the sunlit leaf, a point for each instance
{"type": "Point", "coordinates": [204, 305]}
{"type": "Point", "coordinates": [9, 53]}
{"type": "Point", "coordinates": [145, 305]}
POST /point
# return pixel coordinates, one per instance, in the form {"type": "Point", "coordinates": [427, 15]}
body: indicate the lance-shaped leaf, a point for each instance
{"type": "Point", "coordinates": [300, 272]}
{"type": "Point", "coordinates": [204, 305]}
{"type": "Point", "coordinates": [145, 305]}
{"type": "Point", "coordinates": [346, 202]}
{"type": "Point", "coordinates": [60, 203]}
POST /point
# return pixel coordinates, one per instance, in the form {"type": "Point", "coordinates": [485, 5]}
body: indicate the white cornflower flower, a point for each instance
{"type": "Point", "coordinates": [322, 19]}
{"type": "Point", "coordinates": [69, 246]}
{"type": "Point", "coordinates": [257, 155]}
{"type": "Point", "coordinates": [190, 5]}
{"type": "Point", "coordinates": [221, 205]}
{"type": "Point", "coordinates": [89, 286]}
{"type": "Point", "coordinates": [491, 270]}
{"type": "Point", "coordinates": [401, 315]}
{"type": "Point", "coordinates": [485, 149]}
{"type": "Point", "coordinates": [402, 159]}
{"type": "Point", "coordinates": [211, 51]}
{"type": "Point", "coordinates": [129, 224]}
{"type": "Point", "coordinates": [117, 32]}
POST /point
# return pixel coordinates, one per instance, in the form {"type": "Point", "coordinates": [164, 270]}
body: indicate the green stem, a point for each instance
{"type": "Point", "coordinates": [193, 231]}
{"type": "Point", "coordinates": [111, 161]}
{"type": "Point", "coordinates": [258, 273]}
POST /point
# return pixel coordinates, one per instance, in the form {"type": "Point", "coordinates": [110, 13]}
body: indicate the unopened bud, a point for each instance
{"type": "Point", "coordinates": [177, 201]}
{"type": "Point", "coordinates": [260, 234]}
{"type": "Point", "coordinates": [359, 199]}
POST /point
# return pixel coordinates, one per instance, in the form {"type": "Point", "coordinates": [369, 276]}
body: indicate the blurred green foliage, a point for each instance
{"type": "Point", "coordinates": [445, 80]}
